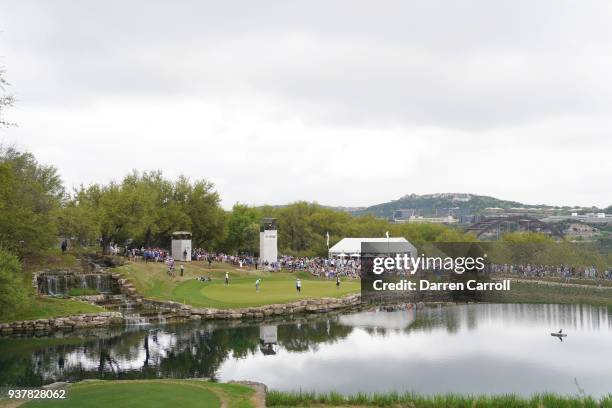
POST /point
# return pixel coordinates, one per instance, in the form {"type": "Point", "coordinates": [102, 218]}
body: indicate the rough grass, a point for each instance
{"type": "Point", "coordinates": [393, 399]}
{"type": "Point", "coordinates": [45, 307]}
{"type": "Point", "coordinates": [38, 307]}
{"type": "Point", "coordinates": [522, 292]}
{"type": "Point", "coordinates": [52, 259]}
{"type": "Point", "coordinates": [151, 394]}
{"type": "Point", "coordinates": [152, 281]}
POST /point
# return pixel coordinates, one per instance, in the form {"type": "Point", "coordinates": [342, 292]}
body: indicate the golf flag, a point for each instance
{"type": "Point", "coordinates": [387, 234]}
{"type": "Point", "coordinates": [327, 236]}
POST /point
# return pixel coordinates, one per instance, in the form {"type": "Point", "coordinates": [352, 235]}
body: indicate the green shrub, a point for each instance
{"type": "Point", "coordinates": [13, 294]}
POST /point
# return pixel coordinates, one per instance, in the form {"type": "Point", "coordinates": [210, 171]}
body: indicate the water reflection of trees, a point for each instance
{"type": "Point", "coordinates": [182, 351]}
{"type": "Point", "coordinates": [308, 335]}
{"type": "Point", "coordinates": [185, 351]}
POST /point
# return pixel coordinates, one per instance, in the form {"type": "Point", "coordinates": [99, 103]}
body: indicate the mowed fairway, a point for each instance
{"type": "Point", "coordinates": [153, 282]}
{"type": "Point", "coordinates": [151, 394]}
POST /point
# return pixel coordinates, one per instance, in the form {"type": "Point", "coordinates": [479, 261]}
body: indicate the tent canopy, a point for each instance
{"type": "Point", "coordinates": [352, 246]}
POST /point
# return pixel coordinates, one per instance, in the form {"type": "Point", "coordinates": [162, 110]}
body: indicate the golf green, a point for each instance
{"type": "Point", "coordinates": [152, 281]}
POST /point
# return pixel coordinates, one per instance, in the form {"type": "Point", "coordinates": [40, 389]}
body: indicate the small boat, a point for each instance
{"type": "Point", "coordinates": [559, 334]}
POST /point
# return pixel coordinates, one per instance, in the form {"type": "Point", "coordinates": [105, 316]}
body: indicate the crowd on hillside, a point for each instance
{"type": "Point", "coordinates": [317, 266]}
{"type": "Point", "coordinates": [329, 268]}
{"type": "Point", "coordinates": [322, 267]}
{"type": "Point", "coordinates": [147, 254]}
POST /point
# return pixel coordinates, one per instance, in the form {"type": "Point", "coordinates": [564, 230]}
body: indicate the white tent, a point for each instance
{"type": "Point", "coordinates": [352, 246]}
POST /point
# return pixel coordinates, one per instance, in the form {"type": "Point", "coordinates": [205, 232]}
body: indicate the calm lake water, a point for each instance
{"type": "Point", "coordinates": [465, 349]}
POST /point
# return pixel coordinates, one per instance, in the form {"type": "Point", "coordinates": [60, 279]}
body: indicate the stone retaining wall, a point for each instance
{"type": "Point", "coordinates": [286, 309]}
{"type": "Point", "coordinates": [126, 287]}
{"type": "Point", "coordinates": [89, 320]}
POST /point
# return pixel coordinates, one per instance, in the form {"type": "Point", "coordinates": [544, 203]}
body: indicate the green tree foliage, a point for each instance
{"type": "Point", "coordinates": [30, 195]}
{"type": "Point", "coordinates": [145, 208]}
{"type": "Point", "coordinates": [13, 293]}
{"type": "Point", "coordinates": [302, 228]}
{"type": "Point", "coordinates": [526, 238]}
{"type": "Point", "coordinates": [78, 222]}
{"type": "Point", "coordinates": [243, 229]}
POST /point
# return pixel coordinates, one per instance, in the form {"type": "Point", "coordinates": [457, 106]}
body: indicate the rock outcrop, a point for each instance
{"type": "Point", "coordinates": [88, 320]}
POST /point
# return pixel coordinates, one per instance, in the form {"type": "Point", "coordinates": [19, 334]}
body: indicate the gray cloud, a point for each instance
{"type": "Point", "coordinates": [291, 92]}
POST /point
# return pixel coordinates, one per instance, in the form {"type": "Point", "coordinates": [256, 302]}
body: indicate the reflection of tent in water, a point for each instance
{"type": "Point", "coordinates": [268, 338]}
{"type": "Point", "coordinates": [398, 319]}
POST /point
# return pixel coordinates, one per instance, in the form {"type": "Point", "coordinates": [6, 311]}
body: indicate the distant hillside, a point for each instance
{"type": "Point", "coordinates": [442, 204]}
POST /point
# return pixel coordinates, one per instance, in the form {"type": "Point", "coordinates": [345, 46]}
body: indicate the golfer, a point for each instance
{"type": "Point", "coordinates": [226, 278]}
{"type": "Point", "coordinates": [337, 281]}
{"type": "Point", "coordinates": [298, 285]}
{"type": "Point", "coordinates": [257, 282]}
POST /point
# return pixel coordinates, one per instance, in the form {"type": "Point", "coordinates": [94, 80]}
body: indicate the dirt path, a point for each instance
{"type": "Point", "coordinates": [259, 398]}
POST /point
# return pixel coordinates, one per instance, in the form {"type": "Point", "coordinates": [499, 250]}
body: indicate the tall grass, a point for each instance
{"type": "Point", "coordinates": [394, 399]}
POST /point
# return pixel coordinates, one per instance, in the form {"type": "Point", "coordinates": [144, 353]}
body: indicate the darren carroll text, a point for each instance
{"type": "Point", "coordinates": [427, 285]}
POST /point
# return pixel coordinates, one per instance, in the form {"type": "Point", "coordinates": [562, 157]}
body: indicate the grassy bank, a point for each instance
{"type": "Point", "coordinates": [522, 292]}
{"type": "Point", "coordinates": [152, 281]}
{"type": "Point", "coordinates": [44, 308]}
{"type": "Point", "coordinates": [333, 399]}
{"type": "Point", "coordinates": [152, 394]}
{"type": "Point", "coordinates": [38, 307]}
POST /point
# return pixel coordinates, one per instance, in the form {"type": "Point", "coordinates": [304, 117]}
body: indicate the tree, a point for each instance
{"type": "Point", "coordinates": [30, 195]}
{"type": "Point", "coordinates": [207, 217]}
{"type": "Point", "coordinates": [6, 100]}
{"type": "Point", "coordinates": [295, 234]}
{"type": "Point", "coordinates": [453, 235]}
{"type": "Point", "coordinates": [146, 208]}
{"type": "Point", "coordinates": [117, 212]}
{"type": "Point", "coordinates": [13, 292]}
{"type": "Point", "coordinates": [78, 222]}
{"type": "Point", "coordinates": [242, 229]}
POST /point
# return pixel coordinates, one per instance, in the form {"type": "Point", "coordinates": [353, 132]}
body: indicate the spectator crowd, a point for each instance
{"type": "Point", "coordinates": [330, 268]}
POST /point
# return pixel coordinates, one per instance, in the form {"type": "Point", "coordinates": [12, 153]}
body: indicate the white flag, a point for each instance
{"type": "Point", "coordinates": [387, 234]}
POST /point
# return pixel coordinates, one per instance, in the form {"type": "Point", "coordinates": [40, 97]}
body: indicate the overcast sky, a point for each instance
{"type": "Point", "coordinates": [340, 102]}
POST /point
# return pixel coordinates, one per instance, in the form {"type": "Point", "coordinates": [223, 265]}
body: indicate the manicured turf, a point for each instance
{"type": "Point", "coordinates": [42, 308]}
{"type": "Point", "coordinates": [151, 394]}
{"type": "Point", "coordinates": [152, 281]}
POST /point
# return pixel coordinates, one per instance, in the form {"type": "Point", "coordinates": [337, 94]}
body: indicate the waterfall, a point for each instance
{"type": "Point", "coordinates": [130, 315]}
{"type": "Point", "coordinates": [134, 319]}
{"type": "Point", "coordinates": [61, 282]}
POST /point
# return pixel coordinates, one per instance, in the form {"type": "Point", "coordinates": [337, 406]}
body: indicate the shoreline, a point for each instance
{"type": "Point", "coordinates": [167, 311]}
{"type": "Point", "coordinates": [177, 312]}
{"type": "Point", "coordinates": [260, 396]}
